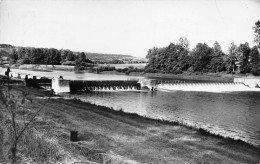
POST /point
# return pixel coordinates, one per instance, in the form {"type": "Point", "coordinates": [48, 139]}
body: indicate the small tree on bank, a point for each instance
{"type": "Point", "coordinates": [17, 118]}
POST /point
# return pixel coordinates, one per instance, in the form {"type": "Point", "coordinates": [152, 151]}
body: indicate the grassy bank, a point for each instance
{"type": "Point", "coordinates": [108, 136]}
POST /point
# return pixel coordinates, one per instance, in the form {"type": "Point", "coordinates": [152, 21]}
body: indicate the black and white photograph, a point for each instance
{"type": "Point", "coordinates": [129, 81]}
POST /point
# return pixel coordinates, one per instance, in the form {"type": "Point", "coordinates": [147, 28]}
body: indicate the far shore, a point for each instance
{"type": "Point", "coordinates": [119, 137]}
{"type": "Point", "coordinates": [218, 77]}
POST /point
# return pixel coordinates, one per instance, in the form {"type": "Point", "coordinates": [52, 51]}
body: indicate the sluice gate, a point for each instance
{"type": "Point", "coordinates": [38, 82]}
{"type": "Point", "coordinates": [80, 85]}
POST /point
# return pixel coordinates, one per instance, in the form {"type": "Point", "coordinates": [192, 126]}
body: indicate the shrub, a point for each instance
{"type": "Point", "coordinates": [256, 70]}
{"type": "Point", "coordinates": [79, 68]}
{"type": "Point", "coordinates": [127, 72]}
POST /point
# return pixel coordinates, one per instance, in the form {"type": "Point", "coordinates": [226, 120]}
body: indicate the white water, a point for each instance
{"type": "Point", "coordinates": [206, 87]}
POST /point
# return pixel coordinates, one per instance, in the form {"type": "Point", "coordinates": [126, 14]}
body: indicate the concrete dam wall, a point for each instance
{"type": "Point", "coordinates": [79, 85]}
{"type": "Point", "coordinates": [72, 86]}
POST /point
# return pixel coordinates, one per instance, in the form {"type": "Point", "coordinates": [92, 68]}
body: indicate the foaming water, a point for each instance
{"type": "Point", "coordinates": [206, 87]}
{"type": "Point", "coordinates": [235, 115]}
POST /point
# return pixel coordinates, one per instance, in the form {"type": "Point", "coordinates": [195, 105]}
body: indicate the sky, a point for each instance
{"type": "Point", "coordinates": [129, 27]}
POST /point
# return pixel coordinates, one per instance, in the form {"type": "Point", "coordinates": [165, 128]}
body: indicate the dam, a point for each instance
{"type": "Point", "coordinates": [83, 85]}
{"type": "Point", "coordinates": [60, 85]}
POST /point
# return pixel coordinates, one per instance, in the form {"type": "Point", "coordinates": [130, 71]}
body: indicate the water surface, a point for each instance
{"type": "Point", "coordinates": [235, 115]}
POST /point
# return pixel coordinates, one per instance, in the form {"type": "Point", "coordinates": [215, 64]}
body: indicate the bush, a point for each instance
{"type": "Point", "coordinates": [131, 67]}
{"type": "Point", "coordinates": [127, 72]}
{"type": "Point", "coordinates": [80, 68]}
{"type": "Point", "coordinates": [106, 68]}
{"type": "Point", "coordinates": [176, 71]}
{"type": "Point", "coordinates": [111, 68]}
{"type": "Point", "coordinates": [256, 70]}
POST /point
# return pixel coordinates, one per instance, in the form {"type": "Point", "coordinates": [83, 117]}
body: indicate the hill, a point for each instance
{"type": "Point", "coordinates": [104, 58]}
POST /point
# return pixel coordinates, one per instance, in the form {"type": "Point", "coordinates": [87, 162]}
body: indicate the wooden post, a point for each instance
{"type": "Point", "coordinates": [7, 73]}
{"type": "Point", "coordinates": [73, 136]}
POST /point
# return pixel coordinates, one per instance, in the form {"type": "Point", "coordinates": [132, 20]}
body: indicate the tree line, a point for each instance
{"type": "Point", "coordinates": [51, 56]}
{"type": "Point", "coordinates": [177, 58]}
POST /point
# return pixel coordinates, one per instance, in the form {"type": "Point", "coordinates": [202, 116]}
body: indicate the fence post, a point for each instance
{"type": "Point", "coordinates": [73, 136]}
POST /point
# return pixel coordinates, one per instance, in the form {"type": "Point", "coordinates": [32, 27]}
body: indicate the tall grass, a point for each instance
{"type": "Point", "coordinates": [38, 148]}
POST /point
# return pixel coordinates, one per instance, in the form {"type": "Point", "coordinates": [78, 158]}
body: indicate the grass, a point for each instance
{"type": "Point", "coordinates": [108, 136]}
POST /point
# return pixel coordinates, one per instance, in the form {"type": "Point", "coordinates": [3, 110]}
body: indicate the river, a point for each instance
{"type": "Point", "coordinates": [235, 114]}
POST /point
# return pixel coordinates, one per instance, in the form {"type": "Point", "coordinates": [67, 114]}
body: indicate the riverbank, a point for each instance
{"type": "Point", "coordinates": [108, 136]}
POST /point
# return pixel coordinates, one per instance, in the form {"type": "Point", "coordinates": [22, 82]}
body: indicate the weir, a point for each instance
{"type": "Point", "coordinates": [207, 87]}
{"type": "Point", "coordinates": [83, 85]}
{"type": "Point", "coordinates": [60, 85]}
{"type": "Point", "coordinates": [239, 84]}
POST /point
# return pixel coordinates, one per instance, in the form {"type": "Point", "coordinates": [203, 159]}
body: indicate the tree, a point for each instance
{"type": "Point", "coordinates": [68, 55]}
{"type": "Point", "coordinates": [254, 56]}
{"type": "Point", "coordinates": [233, 49]}
{"type": "Point", "coordinates": [82, 61]}
{"type": "Point", "coordinates": [243, 57]}
{"type": "Point", "coordinates": [229, 62]}
{"type": "Point", "coordinates": [184, 42]}
{"type": "Point", "coordinates": [82, 57]}
{"type": "Point", "coordinates": [16, 117]}
{"type": "Point", "coordinates": [23, 55]}
{"type": "Point", "coordinates": [217, 62]}
{"type": "Point", "coordinates": [256, 29]}
{"type": "Point", "coordinates": [170, 59]}
{"type": "Point", "coordinates": [217, 51]}
{"type": "Point", "coordinates": [202, 56]}
{"type": "Point", "coordinates": [54, 56]}
{"type": "Point", "coordinates": [255, 61]}
{"type": "Point", "coordinates": [231, 58]}
{"type": "Point", "coordinates": [13, 56]}
{"type": "Point", "coordinates": [36, 56]}
{"type": "Point", "coordinates": [151, 56]}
